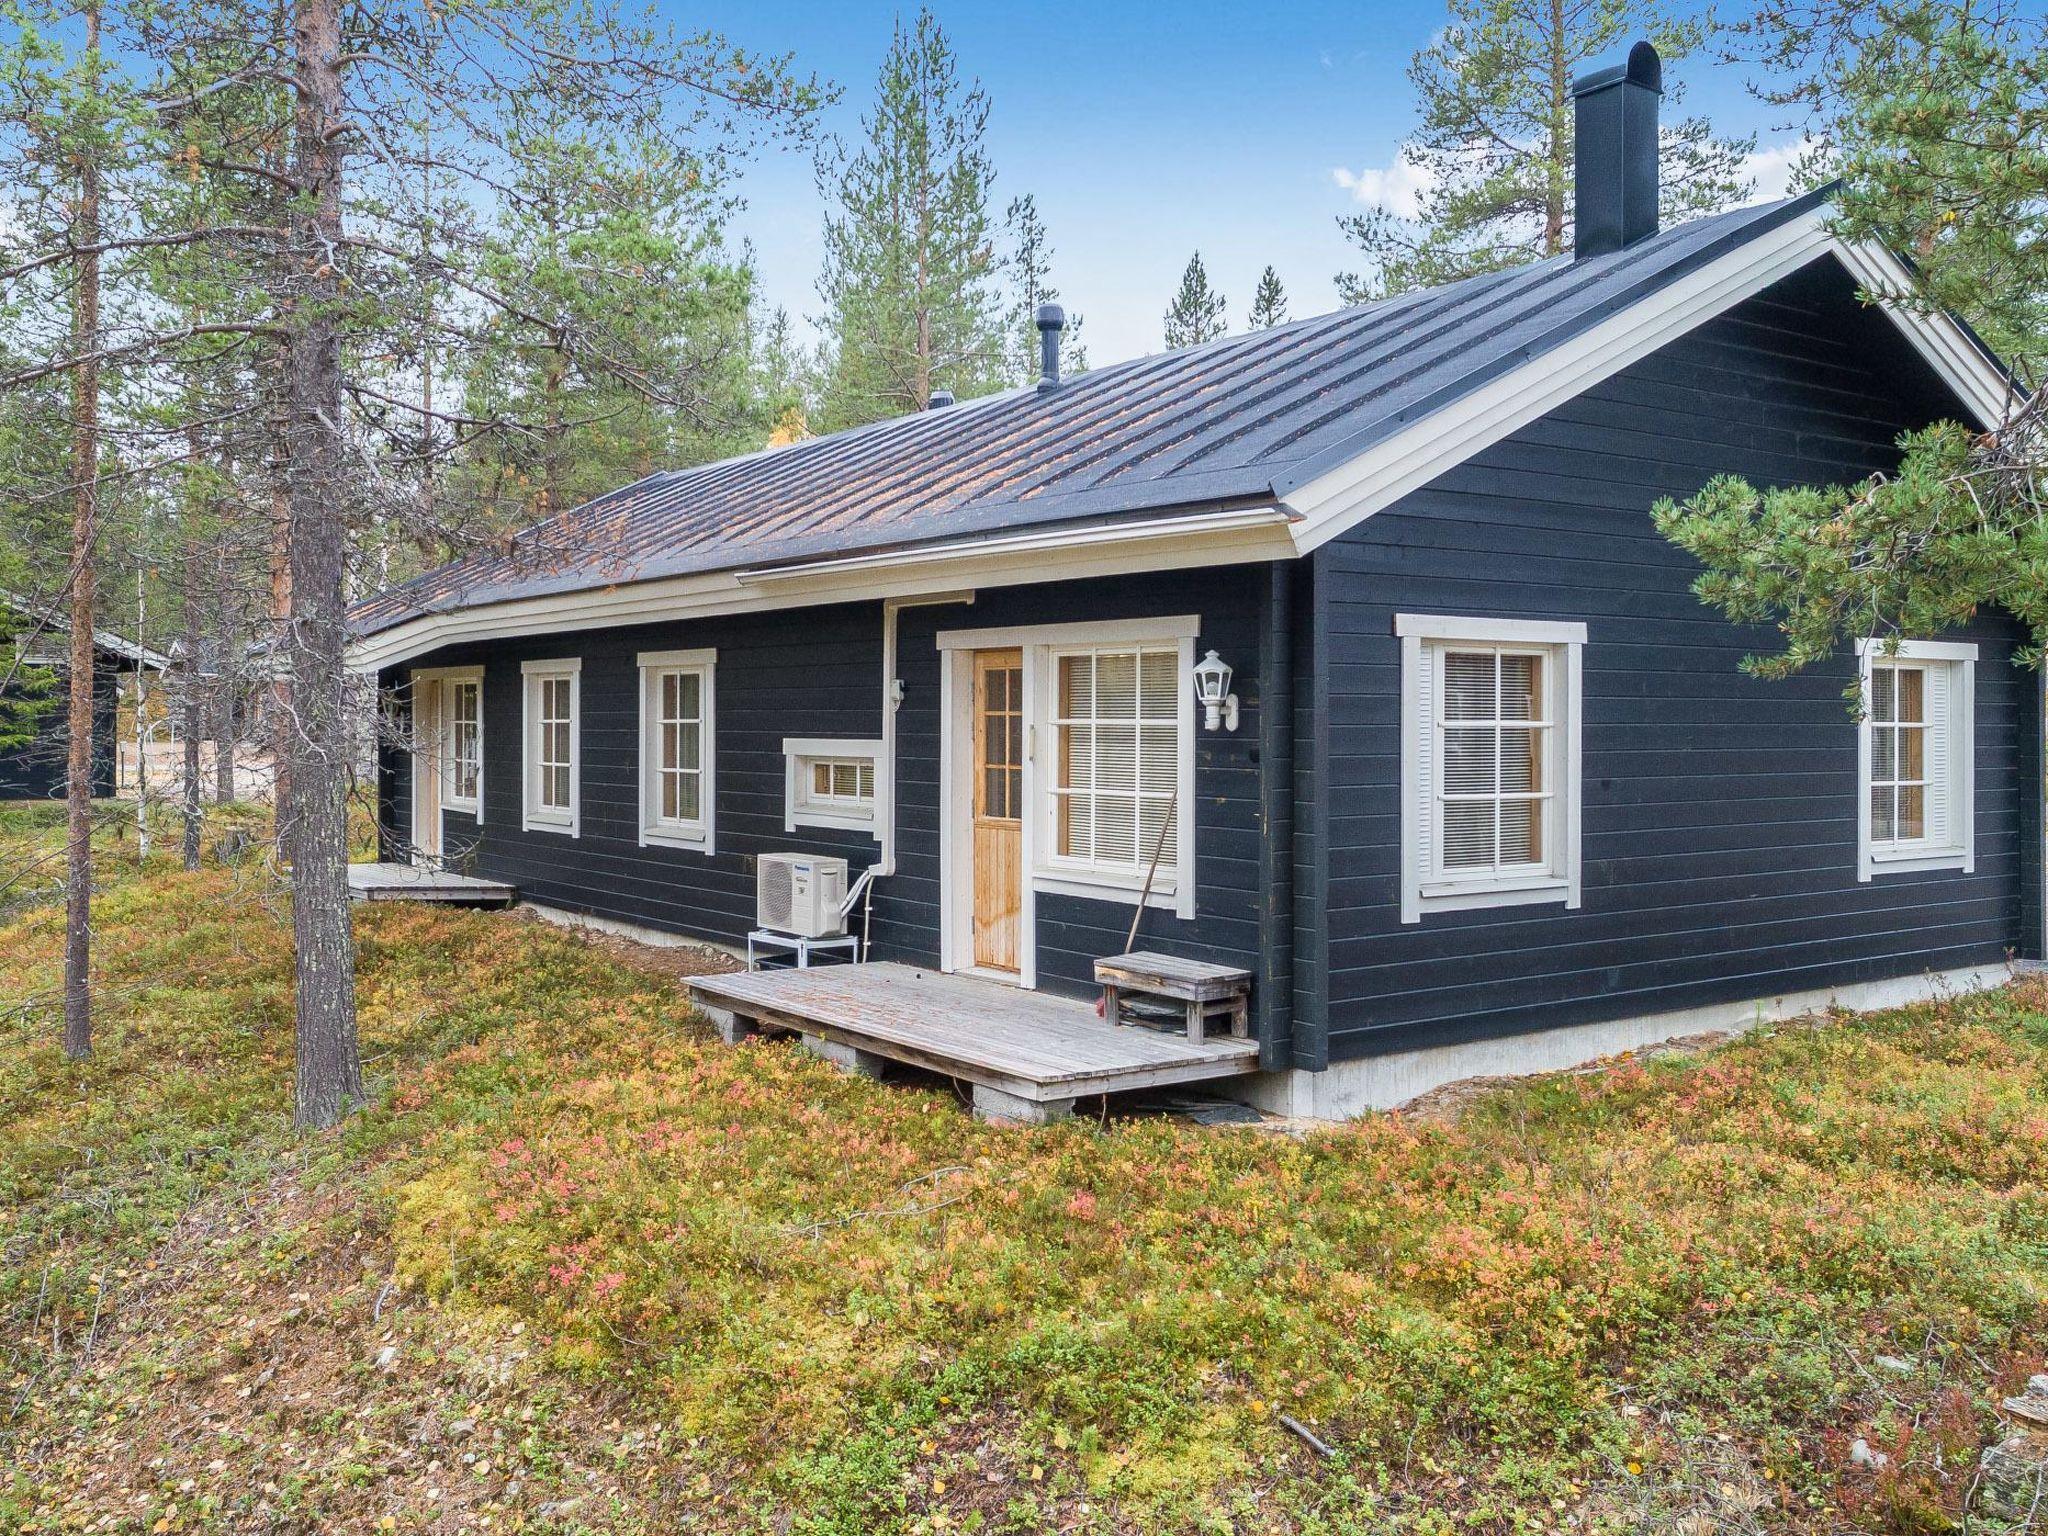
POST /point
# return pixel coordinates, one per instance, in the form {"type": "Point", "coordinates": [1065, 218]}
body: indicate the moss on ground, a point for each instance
{"type": "Point", "coordinates": [580, 1267]}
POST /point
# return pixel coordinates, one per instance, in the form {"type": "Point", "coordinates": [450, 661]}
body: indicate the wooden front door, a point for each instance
{"type": "Point", "coordinates": [998, 807]}
{"type": "Point", "coordinates": [427, 737]}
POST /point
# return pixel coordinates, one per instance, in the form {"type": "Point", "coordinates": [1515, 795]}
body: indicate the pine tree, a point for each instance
{"type": "Point", "coordinates": [1196, 313]}
{"type": "Point", "coordinates": [911, 283]}
{"type": "Point", "coordinates": [1494, 147]}
{"type": "Point", "coordinates": [1269, 303]}
{"type": "Point", "coordinates": [1030, 267]}
{"type": "Point", "coordinates": [1936, 117]}
{"type": "Point", "coordinates": [607, 234]}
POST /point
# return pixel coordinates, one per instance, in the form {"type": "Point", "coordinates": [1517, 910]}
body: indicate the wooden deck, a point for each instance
{"type": "Point", "coordinates": [1029, 1055]}
{"type": "Point", "coordinates": [408, 882]}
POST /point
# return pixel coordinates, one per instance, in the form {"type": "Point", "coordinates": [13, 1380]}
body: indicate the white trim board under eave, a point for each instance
{"type": "Point", "coordinates": [1191, 543]}
{"type": "Point", "coordinates": [1343, 497]}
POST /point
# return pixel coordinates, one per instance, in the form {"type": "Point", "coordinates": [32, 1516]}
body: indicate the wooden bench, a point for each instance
{"type": "Point", "coordinates": [1208, 992]}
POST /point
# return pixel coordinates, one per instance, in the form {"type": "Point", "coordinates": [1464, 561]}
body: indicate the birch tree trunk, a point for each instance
{"type": "Point", "coordinates": [330, 1073]}
{"type": "Point", "coordinates": [85, 388]}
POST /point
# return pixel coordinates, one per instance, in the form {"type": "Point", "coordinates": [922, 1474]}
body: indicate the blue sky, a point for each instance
{"type": "Point", "coordinates": [1146, 132]}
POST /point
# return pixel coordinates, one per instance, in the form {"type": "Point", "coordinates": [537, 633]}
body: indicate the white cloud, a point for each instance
{"type": "Point", "coordinates": [1398, 188]}
{"type": "Point", "coordinates": [1771, 167]}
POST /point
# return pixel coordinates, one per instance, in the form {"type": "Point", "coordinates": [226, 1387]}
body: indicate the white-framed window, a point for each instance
{"type": "Point", "coordinates": [463, 703]}
{"type": "Point", "coordinates": [830, 782]}
{"type": "Point", "coordinates": [553, 744]}
{"type": "Point", "coordinates": [1114, 791]}
{"type": "Point", "coordinates": [678, 720]}
{"type": "Point", "coordinates": [1108, 762]}
{"type": "Point", "coordinates": [1916, 756]}
{"type": "Point", "coordinates": [1489, 762]}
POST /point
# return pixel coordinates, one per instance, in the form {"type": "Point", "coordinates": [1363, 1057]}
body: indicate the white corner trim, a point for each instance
{"type": "Point", "coordinates": [701, 835]}
{"type": "Point", "coordinates": [1180, 626]}
{"type": "Point", "coordinates": [1445, 626]}
{"type": "Point", "coordinates": [535, 818]}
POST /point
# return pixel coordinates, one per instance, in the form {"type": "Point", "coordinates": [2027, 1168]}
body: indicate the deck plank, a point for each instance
{"type": "Point", "coordinates": [1017, 1040]}
{"type": "Point", "coordinates": [408, 882]}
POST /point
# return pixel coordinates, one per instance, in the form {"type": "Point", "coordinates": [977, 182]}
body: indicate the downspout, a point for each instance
{"type": "Point", "coordinates": [885, 779]}
{"type": "Point", "coordinates": [1276, 792]}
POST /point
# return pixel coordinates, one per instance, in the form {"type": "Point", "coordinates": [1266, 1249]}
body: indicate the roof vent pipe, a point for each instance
{"type": "Point", "coordinates": [1051, 321]}
{"type": "Point", "coordinates": [940, 399]}
{"type": "Point", "coordinates": [1615, 157]}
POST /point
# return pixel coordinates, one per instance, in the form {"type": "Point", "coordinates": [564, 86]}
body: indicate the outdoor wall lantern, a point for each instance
{"type": "Point", "coordinates": [1212, 690]}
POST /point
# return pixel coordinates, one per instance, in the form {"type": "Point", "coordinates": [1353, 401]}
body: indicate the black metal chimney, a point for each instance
{"type": "Point", "coordinates": [1615, 170]}
{"type": "Point", "coordinates": [1051, 321]}
{"type": "Point", "coordinates": [940, 399]}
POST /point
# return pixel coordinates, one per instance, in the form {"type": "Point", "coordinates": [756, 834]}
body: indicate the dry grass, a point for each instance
{"type": "Point", "coordinates": [579, 1267]}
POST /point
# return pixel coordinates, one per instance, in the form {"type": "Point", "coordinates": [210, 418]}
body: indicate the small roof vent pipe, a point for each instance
{"type": "Point", "coordinates": [1614, 172]}
{"type": "Point", "coordinates": [1051, 321]}
{"type": "Point", "coordinates": [940, 399]}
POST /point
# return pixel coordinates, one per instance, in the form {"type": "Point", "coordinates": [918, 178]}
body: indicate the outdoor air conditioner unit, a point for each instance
{"type": "Point", "coordinates": [800, 895]}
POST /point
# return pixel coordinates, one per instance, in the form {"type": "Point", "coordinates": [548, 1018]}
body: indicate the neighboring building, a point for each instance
{"type": "Point", "coordinates": [1497, 796]}
{"type": "Point", "coordinates": [39, 769]}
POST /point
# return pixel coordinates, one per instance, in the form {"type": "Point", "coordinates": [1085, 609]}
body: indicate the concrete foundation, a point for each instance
{"type": "Point", "coordinates": [732, 1029]}
{"type": "Point", "coordinates": [994, 1105]}
{"type": "Point", "coordinates": [845, 1057]}
{"type": "Point", "coordinates": [1351, 1088]}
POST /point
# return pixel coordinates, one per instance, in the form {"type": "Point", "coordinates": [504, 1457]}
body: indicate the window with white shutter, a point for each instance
{"type": "Point", "coordinates": [677, 725]}
{"type": "Point", "coordinates": [1916, 752]}
{"type": "Point", "coordinates": [1490, 779]}
{"type": "Point", "coordinates": [552, 741]}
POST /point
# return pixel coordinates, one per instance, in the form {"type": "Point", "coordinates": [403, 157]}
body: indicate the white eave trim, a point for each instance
{"type": "Point", "coordinates": [1345, 496]}
{"type": "Point", "coordinates": [1163, 544]}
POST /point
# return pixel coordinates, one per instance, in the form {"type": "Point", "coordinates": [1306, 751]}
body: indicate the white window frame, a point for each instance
{"type": "Point", "coordinates": [700, 834]}
{"type": "Point", "coordinates": [1173, 891]}
{"type": "Point", "coordinates": [1874, 858]}
{"type": "Point", "coordinates": [451, 688]}
{"type": "Point", "coordinates": [1564, 642]}
{"type": "Point", "coordinates": [537, 817]}
{"type": "Point", "coordinates": [800, 754]}
{"type": "Point", "coordinates": [1174, 884]}
{"type": "Point", "coordinates": [451, 678]}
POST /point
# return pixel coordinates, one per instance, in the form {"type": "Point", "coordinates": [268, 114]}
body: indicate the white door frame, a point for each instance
{"type": "Point", "coordinates": [429, 730]}
{"type": "Point", "coordinates": [956, 818]}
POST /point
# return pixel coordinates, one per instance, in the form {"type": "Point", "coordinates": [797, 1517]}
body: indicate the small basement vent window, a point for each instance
{"type": "Point", "coordinates": [830, 783]}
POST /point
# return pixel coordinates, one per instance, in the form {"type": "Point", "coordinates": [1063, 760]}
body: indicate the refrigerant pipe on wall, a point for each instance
{"type": "Point", "coordinates": [885, 779]}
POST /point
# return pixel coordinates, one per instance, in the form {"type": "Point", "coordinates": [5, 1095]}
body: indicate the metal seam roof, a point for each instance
{"type": "Point", "coordinates": [1235, 420]}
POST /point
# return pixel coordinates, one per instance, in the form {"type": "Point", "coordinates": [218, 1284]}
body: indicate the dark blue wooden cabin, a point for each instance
{"type": "Point", "coordinates": [1497, 794]}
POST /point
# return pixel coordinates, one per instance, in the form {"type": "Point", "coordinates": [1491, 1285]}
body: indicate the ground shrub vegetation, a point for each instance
{"type": "Point", "coordinates": [579, 1267]}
